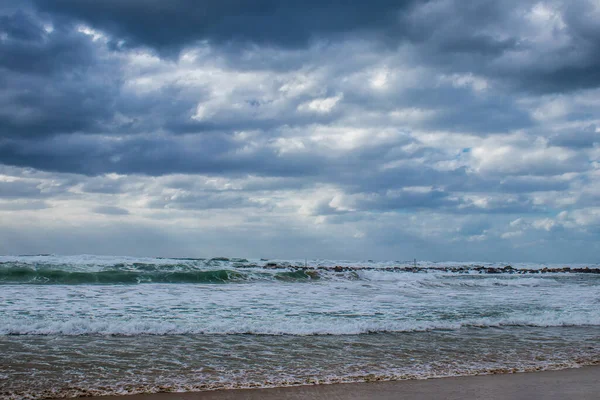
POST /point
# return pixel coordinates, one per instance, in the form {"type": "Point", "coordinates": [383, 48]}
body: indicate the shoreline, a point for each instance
{"type": "Point", "coordinates": [573, 383]}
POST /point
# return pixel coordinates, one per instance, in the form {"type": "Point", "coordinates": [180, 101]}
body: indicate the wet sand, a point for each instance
{"type": "Point", "coordinates": [579, 384]}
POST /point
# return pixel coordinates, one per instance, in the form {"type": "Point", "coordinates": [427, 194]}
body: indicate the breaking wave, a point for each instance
{"type": "Point", "coordinates": [284, 326]}
{"type": "Point", "coordinates": [137, 273]}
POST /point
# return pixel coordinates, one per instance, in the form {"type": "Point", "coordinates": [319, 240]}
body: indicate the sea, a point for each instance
{"type": "Point", "coordinates": [97, 325]}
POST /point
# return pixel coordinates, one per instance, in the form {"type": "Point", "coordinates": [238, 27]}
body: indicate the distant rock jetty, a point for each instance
{"type": "Point", "coordinates": [453, 269]}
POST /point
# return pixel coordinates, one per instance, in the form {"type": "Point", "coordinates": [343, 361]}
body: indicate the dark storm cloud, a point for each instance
{"type": "Point", "coordinates": [20, 27]}
{"type": "Point", "coordinates": [51, 78]}
{"type": "Point", "coordinates": [454, 27]}
{"type": "Point", "coordinates": [453, 35]}
{"type": "Point", "coordinates": [28, 47]}
{"type": "Point", "coordinates": [171, 25]}
{"type": "Point", "coordinates": [94, 155]}
{"type": "Point", "coordinates": [492, 39]}
{"type": "Point", "coordinates": [577, 65]}
{"type": "Point", "coordinates": [31, 107]}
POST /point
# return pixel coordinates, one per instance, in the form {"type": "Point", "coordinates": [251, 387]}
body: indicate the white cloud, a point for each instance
{"type": "Point", "coordinates": [545, 224]}
{"type": "Point", "coordinates": [511, 235]}
{"type": "Point", "coordinates": [322, 105]}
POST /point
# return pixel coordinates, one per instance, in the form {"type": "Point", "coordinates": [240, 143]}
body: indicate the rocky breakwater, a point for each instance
{"type": "Point", "coordinates": [466, 269]}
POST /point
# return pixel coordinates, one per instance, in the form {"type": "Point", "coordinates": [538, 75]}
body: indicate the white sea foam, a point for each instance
{"type": "Point", "coordinates": [374, 303]}
{"type": "Point", "coordinates": [77, 326]}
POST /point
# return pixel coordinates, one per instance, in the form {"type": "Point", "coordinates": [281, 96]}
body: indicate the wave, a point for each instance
{"type": "Point", "coordinates": [48, 276]}
{"type": "Point", "coordinates": [15, 273]}
{"type": "Point", "coordinates": [138, 274]}
{"type": "Point", "coordinates": [119, 276]}
{"type": "Point", "coordinates": [288, 327]}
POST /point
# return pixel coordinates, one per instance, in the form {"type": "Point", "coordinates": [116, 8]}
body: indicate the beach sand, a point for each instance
{"type": "Point", "coordinates": [576, 384]}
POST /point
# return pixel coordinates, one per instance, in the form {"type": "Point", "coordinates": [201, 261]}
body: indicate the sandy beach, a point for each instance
{"type": "Point", "coordinates": [580, 384]}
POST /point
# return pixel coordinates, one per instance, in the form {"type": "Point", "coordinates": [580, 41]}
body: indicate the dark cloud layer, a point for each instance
{"type": "Point", "coordinates": [28, 48]}
{"type": "Point", "coordinates": [428, 122]}
{"type": "Point", "coordinates": [172, 25]}
{"type": "Point", "coordinates": [51, 81]}
{"type": "Point", "coordinates": [93, 155]}
{"type": "Point", "coordinates": [449, 33]}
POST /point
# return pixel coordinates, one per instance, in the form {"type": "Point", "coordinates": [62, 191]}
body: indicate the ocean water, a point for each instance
{"type": "Point", "coordinates": [81, 325]}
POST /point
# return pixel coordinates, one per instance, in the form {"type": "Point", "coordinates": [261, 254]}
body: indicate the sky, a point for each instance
{"type": "Point", "coordinates": [436, 130]}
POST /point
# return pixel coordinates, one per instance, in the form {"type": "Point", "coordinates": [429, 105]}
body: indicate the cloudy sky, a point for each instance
{"type": "Point", "coordinates": [441, 130]}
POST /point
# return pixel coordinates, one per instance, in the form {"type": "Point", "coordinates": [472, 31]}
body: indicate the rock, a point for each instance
{"type": "Point", "coordinates": [312, 274]}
